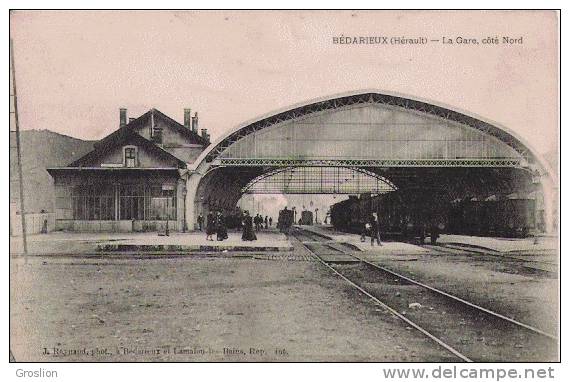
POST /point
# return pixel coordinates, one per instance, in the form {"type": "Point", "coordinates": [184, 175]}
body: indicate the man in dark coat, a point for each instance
{"type": "Point", "coordinates": [434, 233]}
{"type": "Point", "coordinates": [210, 226]}
{"type": "Point", "coordinates": [363, 231]}
{"type": "Point", "coordinates": [248, 234]}
{"type": "Point", "coordinates": [200, 221]}
{"type": "Point", "coordinates": [375, 229]}
{"type": "Point", "coordinates": [422, 232]}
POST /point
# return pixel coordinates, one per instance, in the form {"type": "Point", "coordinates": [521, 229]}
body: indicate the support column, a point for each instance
{"type": "Point", "coordinates": [549, 193]}
{"type": "Point", "coordinates": [181, 193]}
{"type": "Point", "coordinates": [116, 192]}
{"type": "Point", "coordinates": [192, 200]}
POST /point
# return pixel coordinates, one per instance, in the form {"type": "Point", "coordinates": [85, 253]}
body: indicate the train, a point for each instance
{"type": "Point", "coordinates": [285, 220]}
{"type": "Point", "coordinates": [502, 218]}
{"type": "Point", "coordinates": [403, 218]}
{"type": "Point", "coordinates": [306, 218]}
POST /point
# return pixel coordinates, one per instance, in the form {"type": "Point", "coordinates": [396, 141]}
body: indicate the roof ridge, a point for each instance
{"type": "Point", "coordinates": [181, 126]}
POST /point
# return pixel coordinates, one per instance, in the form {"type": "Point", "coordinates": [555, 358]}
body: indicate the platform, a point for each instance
{"type": "Point", "coordinates": [388, 248]}
{"type": "Point", "coordinates": [97, 243]}
{"type": "Point", "coordinates": [501, 244]}
{"type": "Point", "coordinates": [493, 244]}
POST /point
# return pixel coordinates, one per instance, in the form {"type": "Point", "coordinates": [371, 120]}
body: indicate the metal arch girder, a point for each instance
{"type": "Point", "coordinates": [375, 98]}
{"type": "Point", "coordinates": [389, 185]}
{"type": "Point", "coordinates": [281, 162]}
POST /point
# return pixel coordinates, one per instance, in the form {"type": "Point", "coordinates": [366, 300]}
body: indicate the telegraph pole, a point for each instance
{"type": "Point", "coordinates": [19, 152]}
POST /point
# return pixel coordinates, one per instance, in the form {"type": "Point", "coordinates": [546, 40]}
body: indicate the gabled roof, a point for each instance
{"type": "Point", "coordinates": [118, 138]}
{"type": "Point", "coordinates": [144, 120]}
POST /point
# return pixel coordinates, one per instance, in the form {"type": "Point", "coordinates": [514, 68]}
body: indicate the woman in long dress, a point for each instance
{"type": "Point", "coordinates": [248, 234]}
{"type": "Point", "coordinates": [210, 226]}
{"type": "Point", "coordinates": [221, 229]}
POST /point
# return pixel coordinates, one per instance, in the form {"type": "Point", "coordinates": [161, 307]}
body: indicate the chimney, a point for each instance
{"type": "Point", "coordinates": [131, 119]}
{"type": "Point", "coordinates": [205, 134]}
{"type": "Point", "coordinates": [187, 118]}
{"type": "Point", "coordinates": [122, 117]}
{"type": "Point", "coordinates": [195, 123]}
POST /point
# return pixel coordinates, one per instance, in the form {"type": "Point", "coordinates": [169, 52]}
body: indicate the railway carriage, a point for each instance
{"type": "Point", "coordinates": [404, 219]}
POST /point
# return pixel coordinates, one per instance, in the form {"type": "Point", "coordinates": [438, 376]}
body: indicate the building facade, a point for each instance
{"type": "Point", "coordinates": [134, 179]}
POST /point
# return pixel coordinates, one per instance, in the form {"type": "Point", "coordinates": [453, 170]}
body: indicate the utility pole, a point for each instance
{"type": "Point", "coordinates": [19, 152]}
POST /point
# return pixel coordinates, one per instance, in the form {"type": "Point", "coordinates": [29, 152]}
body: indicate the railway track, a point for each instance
{"type": "Point", "coordinates": [468, 331]}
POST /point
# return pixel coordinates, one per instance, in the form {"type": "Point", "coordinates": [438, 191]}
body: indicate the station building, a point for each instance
{"type": "Point", "coordinates": [155, 171]}
{"type": "Point", "coordinates": [134, 179]}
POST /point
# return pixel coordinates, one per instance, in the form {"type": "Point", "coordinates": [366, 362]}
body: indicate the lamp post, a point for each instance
{"type": "Point", "coordinates": [167, 233]}
{"type": "Point", "coordinates": [316, 216]}
{"type": "Point", "coordinates": [538, 194]}
{"type": "Point", "coordinates": [184, 223]}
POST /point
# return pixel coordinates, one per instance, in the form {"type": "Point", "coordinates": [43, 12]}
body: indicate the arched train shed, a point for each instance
{"type": "Point", "coordinates": [408, 145]}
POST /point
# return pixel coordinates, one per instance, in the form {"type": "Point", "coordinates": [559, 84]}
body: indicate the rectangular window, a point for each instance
{"type": "Point", "coordinates": [146, 202]}
{"type": "Point", "coordinates": [130, 157]}
{"type": "Point", "coordinates": [161, 203]}
{"type": "Point", "coordinates": [136, 201]}
{"type": "Point", "coordinates": [93, 202]}
{"type": "Point", "coordinates": [156, 135]}
{"type": "Point", "coordinates": [131, 202]}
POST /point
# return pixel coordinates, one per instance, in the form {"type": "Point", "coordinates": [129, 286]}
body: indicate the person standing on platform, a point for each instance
{"type": "Point", "coordinates": [200, 221]}
{"type": "Point", "coordinates": [270, 221]}
{"type": "Point", "coordinates": [422, 233]}
{"type": "Point", "coordinates": [221, 229]}
{"type": "Point", "coordinates": [434, 233]}
{"type": "Point", "coordinates": [210, 226]}
{"type": "Point", "coordinates": [247, 234]}
{"type": "Point", "coordinates": [375, 229]}
{"type": "Point", "coordinates": [280, 220]}
{"type": "Point", "coordinates": [363, 231]}
{"type": "Point", "coordinates": [266, 222]}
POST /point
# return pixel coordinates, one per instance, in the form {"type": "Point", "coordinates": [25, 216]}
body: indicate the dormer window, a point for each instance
{"type": "Point", "coordinates": [130, 156]}
{"type": "Point", "coordinates": [156, 136]}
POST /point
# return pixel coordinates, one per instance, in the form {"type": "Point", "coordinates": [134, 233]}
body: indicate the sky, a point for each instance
{"type": "Point", "coordinates": [75, 69]}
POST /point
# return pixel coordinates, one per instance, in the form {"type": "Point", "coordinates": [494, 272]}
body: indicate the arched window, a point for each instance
{"type": "Point", "coordinates": [130, 156]}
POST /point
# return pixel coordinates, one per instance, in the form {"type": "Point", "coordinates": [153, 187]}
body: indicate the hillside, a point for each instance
{"type": "Point", "coordinates": [41, 149]}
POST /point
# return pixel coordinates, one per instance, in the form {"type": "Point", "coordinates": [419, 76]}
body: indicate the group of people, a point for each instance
{"type": "Point", "coordinates": [261, 223]}
{"type": "Point", "coordinates": [216, 223]}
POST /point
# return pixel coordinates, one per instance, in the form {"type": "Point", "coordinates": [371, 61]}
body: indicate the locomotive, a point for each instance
{"type": "Point", "coordinates": [306, 218]}
{"type": "Point", "coordinates": [285, 220]}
